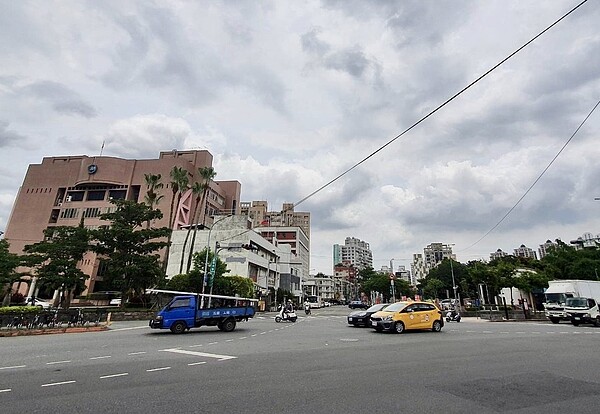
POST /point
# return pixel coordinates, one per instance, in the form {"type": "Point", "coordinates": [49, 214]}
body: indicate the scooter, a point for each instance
{"type": "Point", "coordinates": [453, 316]}
{"type": "Point", "coordinates": [307, 309]}
{"type": "Point", "coordinates": [286, 316]}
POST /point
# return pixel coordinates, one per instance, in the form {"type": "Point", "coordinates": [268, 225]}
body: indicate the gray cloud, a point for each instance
{"type": "Point", "coordinates": [63, 99]}
{"type": "Point", "coordinates": [8, 137]}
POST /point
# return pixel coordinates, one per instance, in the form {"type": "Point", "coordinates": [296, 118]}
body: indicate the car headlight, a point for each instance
{"type": "Point", "coordinates": [587, 315]}
{"type": "Point", "coordinates": [158, 317]}
{"type": "Point", "coordinates": [388, 318]}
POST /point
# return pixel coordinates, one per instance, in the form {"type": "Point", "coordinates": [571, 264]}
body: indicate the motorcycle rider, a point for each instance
{"type": "Point", "coordinates": [286, 309]}
{"type": "Point", "coordinates": [307, 307]}
{"type": "Point", "coordinates": [453, 314]}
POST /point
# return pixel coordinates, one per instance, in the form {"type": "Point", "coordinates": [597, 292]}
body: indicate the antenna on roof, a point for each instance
{"type": "Point", "coordinates": [102, 148]}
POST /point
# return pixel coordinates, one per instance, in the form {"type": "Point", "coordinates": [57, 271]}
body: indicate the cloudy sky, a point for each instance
{"type": "Point", "coordinates": [288, 95]}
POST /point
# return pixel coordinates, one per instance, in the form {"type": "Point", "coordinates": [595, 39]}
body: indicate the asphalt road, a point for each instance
{"type": "Point", "coordinates": [316, 365]}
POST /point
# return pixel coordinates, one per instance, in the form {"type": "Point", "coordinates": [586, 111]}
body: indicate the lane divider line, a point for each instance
{"type": "Point", "coordinates": [114, 375]}
{"type": "Point", "coordinates": [52, 384]}
{"type": "Point", "coordinates": [58, 362]}
{"type": "Point", "coordinates": [101, 357]}
{"type": "Point", "coordinates": [13, 367]}
{"type": "Point", "coordinates": [157, 369]}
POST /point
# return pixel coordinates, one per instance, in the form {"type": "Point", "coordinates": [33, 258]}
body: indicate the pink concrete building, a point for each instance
{"type": "Point", "coordinates": [62, 190]}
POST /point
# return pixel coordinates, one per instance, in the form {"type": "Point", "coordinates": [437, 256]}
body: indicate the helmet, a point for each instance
{"type": "Point", "coordinates": [289, 301]}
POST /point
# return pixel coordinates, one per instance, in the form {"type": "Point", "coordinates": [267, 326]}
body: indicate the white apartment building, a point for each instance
{"type": "Point", "coordinates": [498, 254]}
{"type": "Point", "coordinates": [354, 252]}
{"type": "Point", "coordinates": [524, 251]}
{"type": "Point", "coordinates": [268, 265]}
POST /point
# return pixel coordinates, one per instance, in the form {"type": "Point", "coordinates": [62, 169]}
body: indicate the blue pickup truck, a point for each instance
{"type": "Point", "coordinates": [190, 310]}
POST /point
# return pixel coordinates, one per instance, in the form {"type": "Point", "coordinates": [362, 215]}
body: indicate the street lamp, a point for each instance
{"type": "Point", "coordinates": [206, 258]}
{"type": "Point", "coordinates": [454, 287]}
{"type": "Point", "coordinates": [392, 280]}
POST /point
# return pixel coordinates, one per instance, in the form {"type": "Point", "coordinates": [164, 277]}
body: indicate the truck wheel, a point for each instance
{"type": "Point", "coordinates": [554, 320]}
{"type": "Point", "coordinates": [228, 325]}
{"type": "Point", "coordinates": [178, 327]}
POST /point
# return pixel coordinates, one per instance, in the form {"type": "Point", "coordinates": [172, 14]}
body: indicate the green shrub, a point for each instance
{"type": "Point", "coordinates": [18, 309]}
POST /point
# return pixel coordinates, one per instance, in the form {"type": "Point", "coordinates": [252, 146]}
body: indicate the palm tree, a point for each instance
{"type": "Point", "coordinates": [179, 184]}
{"type": "Point", "coordinates": [207, 174]}
{"type": "Point", "coordinates": [152, 198]}
{"type": "Point", "coordinates": [197, 189]}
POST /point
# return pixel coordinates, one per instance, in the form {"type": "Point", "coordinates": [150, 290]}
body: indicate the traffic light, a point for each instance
{"type": "Point", "coordinates": [250, 246]}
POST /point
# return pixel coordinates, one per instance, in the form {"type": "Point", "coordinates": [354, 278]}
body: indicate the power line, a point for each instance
{"type": "Point", "coordinates": [447, 101]}
{"type": "Point", "coordinates": [537, 179]}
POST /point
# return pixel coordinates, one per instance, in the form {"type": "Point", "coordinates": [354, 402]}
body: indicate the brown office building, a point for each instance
{"type": "Point", "coordinates": [62, 190]}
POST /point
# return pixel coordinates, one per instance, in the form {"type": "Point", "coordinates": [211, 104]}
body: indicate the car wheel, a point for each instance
{"type": "Point", "coordinates": [178, 327]}
{"type": "Point", "coordinates": [554, 320]}
{"type": "Point", "coordinates": [437, 326]}
{"type": "Point", "coordinates": [574, 322]}
{"type": "Point", "coordinates": [399, 327]}
{"type": "Point", "coordinates": [597, 321]}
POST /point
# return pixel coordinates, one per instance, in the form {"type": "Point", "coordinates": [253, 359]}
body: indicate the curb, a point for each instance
{"type": "Point", "coordinates": [51, 331]}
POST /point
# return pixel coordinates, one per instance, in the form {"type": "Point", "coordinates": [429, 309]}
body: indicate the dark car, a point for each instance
{"type": "Point", "coordinates": [357, 304]}
{"type": "Point", "coordinates": [363, 317]}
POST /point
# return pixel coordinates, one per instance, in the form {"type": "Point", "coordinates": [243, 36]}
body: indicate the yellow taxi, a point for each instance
{"type": "Point", "coordinates": [401, 316]}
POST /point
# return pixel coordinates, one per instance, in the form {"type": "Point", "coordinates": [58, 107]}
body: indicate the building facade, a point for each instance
{"type": "Point", "coordinates": [353, 252]}
{"type": "Point", "coordinates": [498, 254]}
{"type": "Point", "coordinates": [524, 251]}
{"type": "Point", "coordinates": [257, 212]}
{"type": "Point", "coordinates": [62, 191]}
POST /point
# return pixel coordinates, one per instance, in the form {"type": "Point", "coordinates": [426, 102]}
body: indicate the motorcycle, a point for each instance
{"type": "Point", "coordinates": [453, 316]}
{"type": "Point", "coordinates": [307, 309]}
{"type": "Point", "coordinates": [286, 316]}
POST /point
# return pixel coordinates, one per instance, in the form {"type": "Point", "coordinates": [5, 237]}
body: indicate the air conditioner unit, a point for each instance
{"type": "Point", "coordinates": [68, 199]}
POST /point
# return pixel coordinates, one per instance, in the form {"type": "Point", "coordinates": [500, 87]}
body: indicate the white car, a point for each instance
{"type": "Point", "coordinates": [38, 302]}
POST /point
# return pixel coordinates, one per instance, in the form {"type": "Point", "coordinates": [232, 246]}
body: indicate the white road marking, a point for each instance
{"type": "Point", "coordinates": [213, 343]}
{"type": "Point", "coordinates": [114, 375]}
{"type": "Point", "coordinates": [196, 346]}
{"type": "Point", "coordinates": [157, 369]}
{"type": "Point", "coordinates": [6, 390]}
{"type": "Point", "coordinates": [200, 354]}
{"type": "Point", "coordinates": [129, 329]}
{"type": "Point", "coordinates": [101, 357]}
{"type": "Point", "coordinates": [254, 334]}
{"type": "Point", "coordinates": [229, 340]}
{"type": "Point", "coordinates": [13, 367]}
{"type": "Point", "coordinates": [57, 362]}
{"type": "Point", "coordinates": [197, 363]}
{"type": "Point", "coordinates": [243, 337]}
{"type": "Point", "coordinates": [137, 353]}
{"type": "Point", "coordinates": [51, 384]}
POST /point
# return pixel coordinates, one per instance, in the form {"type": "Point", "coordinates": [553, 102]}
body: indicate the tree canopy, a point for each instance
{"type": "Point", "coordinates": [129, 249]}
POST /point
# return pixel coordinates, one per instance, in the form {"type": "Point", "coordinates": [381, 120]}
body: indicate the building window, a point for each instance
{"type": "Point", "coordinates": [74, 196]}
{"type": "Point", "coordinates": [69, 213]}
{"type": "Point", "coordinates": [96, 195]}
{"type": "Point", "coordinates": [117, 194]}
{"type": "Point", "coordinates": [91, 212]}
